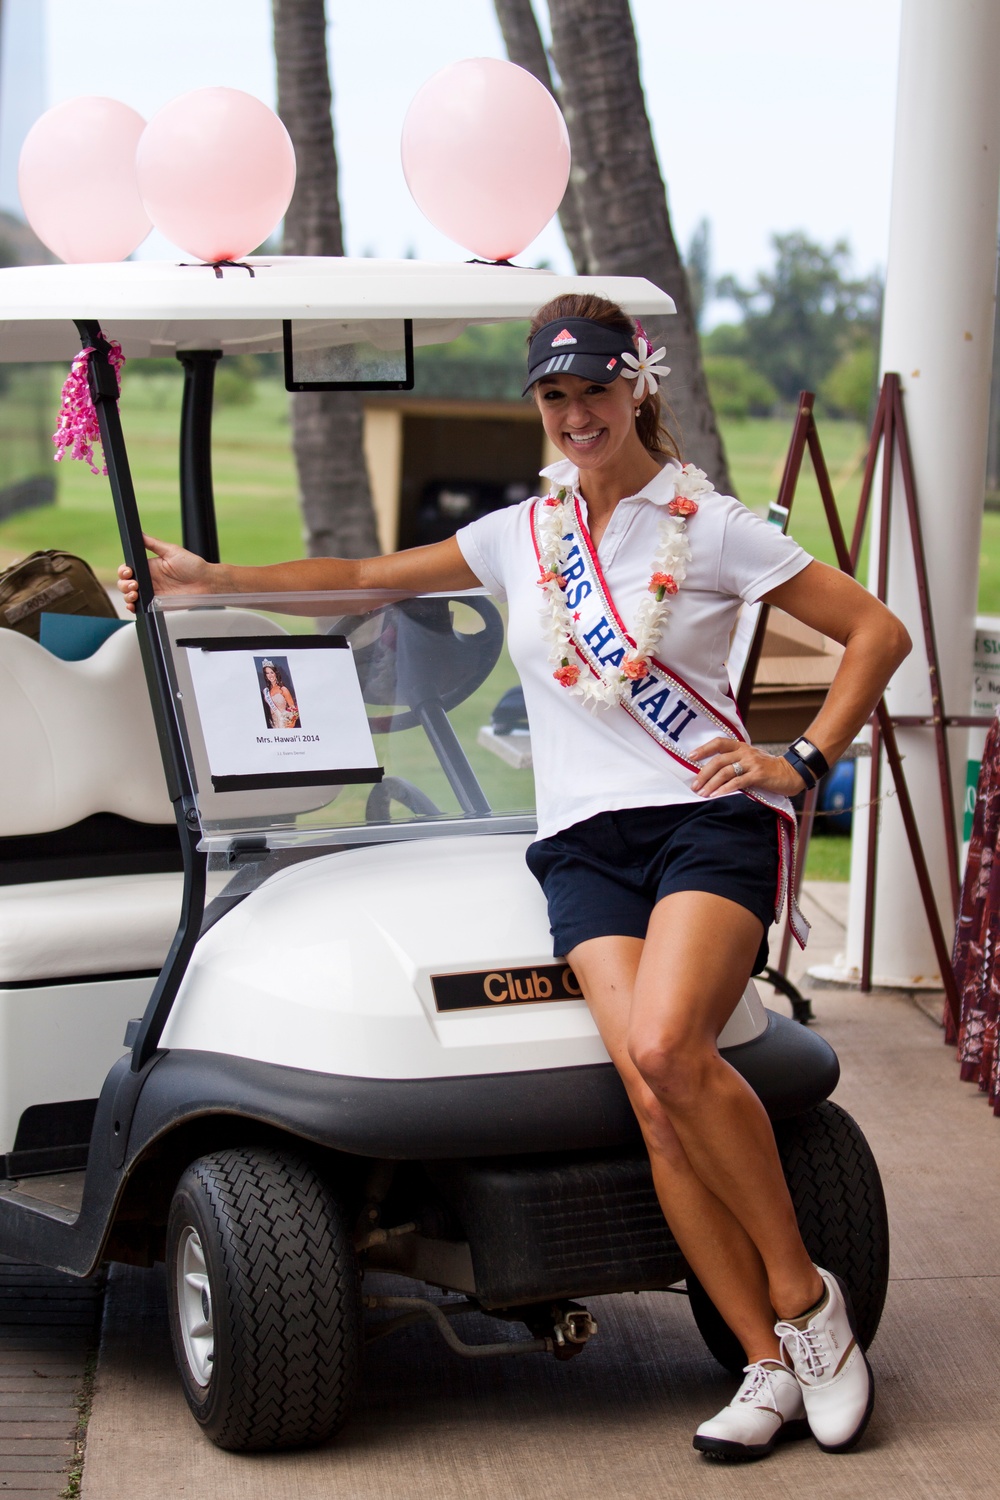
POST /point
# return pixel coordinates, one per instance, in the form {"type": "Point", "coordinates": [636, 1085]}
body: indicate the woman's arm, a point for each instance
{"type": "Point", "coordinates": [417, 570]}
{"type": "Point", "coordinates": [874, 642]}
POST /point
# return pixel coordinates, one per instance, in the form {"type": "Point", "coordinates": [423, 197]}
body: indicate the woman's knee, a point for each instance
{"type": "Point", "coordinates": [674, 1068]}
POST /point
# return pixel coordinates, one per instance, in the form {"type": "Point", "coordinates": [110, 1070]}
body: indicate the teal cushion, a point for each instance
{"type": "Point", "coordinates": [75, 637]}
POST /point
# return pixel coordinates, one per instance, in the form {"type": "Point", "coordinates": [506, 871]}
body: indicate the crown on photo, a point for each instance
{"type": "Point", "coordinates": [267, 662]}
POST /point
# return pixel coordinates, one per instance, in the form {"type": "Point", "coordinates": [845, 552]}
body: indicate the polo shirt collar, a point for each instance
{"type": "Point", "coordinates": [660, 490]}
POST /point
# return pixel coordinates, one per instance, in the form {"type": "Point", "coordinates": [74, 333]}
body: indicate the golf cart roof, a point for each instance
{"type": "Point", "coordinates": [154, 308]}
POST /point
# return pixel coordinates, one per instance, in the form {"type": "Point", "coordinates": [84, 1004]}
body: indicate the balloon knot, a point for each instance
{"type": "Point", "coordinates": [217, 265]}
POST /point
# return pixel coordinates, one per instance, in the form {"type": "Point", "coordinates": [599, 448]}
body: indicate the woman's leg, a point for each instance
{"type": "Point", "coordinates": [712, 1241]}
{"type": "Point", "coordinates": [660, 1005]}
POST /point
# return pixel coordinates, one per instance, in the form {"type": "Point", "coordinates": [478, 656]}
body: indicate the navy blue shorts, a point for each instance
{"type": "Point", "coordinates": [602, 877]}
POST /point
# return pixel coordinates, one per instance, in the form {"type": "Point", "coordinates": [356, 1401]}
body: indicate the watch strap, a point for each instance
{"type": "Point", "coordinates": [814, 758]}
{"type": "Point", "coordinates": [801, 767]}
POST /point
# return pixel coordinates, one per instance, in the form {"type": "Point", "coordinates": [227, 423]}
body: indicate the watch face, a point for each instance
{"type": "Point", "coordinates": [802, 747]}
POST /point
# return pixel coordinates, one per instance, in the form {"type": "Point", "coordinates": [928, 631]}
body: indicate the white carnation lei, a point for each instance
{"type": "Point", "coordinates": [554, 518]}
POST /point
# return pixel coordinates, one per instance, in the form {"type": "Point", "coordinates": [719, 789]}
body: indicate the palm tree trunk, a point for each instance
{"type": "Point", "coordinates": [326, 425]}
{"type": "Point", "coordinates": [623, 202]}
{"type": "Point", "coordinates": [525, 47]}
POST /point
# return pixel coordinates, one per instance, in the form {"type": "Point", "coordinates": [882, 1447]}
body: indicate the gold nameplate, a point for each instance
{"type": "Point", "coordinates": [490, 987]}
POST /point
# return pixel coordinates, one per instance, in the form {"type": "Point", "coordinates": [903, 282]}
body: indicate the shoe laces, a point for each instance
{"type": "Point", "coordinates": [757, 1389]}
{"type": "Point", "coordinates": [804, 1347]}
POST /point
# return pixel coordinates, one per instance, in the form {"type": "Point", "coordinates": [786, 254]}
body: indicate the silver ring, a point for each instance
{"type": "Point", "coordinates": [736, 767]}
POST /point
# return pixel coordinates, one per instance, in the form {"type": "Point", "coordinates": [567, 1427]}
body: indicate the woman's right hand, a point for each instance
{"type": "Point", "coordinates": [173, 570]}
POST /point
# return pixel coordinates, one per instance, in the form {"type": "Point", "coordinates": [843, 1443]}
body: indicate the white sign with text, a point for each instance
{"type": "Point", "coordinates": [281, 711]}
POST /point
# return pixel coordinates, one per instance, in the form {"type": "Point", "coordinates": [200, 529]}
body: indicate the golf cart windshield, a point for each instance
{"type": "Point", "coordinates": [345, 718]}
{"type": "Point", "coordinates": [384, 716]}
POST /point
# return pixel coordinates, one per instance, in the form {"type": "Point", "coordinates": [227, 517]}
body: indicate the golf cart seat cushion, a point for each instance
{"type": "Point", "coordinates": [79, 737]}
{"type": "Point", "coordinates": [110, 924]}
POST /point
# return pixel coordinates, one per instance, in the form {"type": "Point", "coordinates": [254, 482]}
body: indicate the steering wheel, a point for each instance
{"type": "Point", "coordinates": [378, 808]}
{"type": "Point", "coordinates": [410, 653]}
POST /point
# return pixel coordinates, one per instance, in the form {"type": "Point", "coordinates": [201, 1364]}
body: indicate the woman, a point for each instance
{"type": "Point", "coordinates": [659, 845]}
{"type": "Point", "coordinates": [281, 708]}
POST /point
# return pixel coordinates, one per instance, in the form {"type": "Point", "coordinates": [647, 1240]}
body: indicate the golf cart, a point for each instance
{"type": "Point", "coordinates": [355, 1054]}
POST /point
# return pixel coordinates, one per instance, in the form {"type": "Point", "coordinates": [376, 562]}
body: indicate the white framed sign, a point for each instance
{"type": "Point", "coordinates": [281, 711]}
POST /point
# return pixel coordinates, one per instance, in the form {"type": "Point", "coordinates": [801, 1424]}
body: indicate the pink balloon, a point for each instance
{"type": "Point", "coordinates": [76, 177]}
{"type": "Point", "coordinates": [486, 155]}
{"type": "Point", "coordinates": [216, 171]}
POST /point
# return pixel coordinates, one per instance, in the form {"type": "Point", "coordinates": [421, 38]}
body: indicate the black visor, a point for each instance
{"type": "Point", "coordinates": [576, 346]}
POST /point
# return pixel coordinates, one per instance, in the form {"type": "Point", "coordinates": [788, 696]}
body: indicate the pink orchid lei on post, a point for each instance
{"type": "Point", "coordinates": [554, 520]}
{"type": "Point", "coordinates": [77, 428]}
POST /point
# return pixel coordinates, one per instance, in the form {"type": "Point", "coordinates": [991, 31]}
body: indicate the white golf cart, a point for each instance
{"type": "Point", "coordinates": [349, 1048]}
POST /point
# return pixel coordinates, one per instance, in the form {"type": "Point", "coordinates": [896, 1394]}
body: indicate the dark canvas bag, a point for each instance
{"type": "Point", "coordinates": [56, 582]}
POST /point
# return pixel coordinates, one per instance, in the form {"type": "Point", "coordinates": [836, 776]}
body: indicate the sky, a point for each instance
{"type": "Point", "coordinates": [768, 117]}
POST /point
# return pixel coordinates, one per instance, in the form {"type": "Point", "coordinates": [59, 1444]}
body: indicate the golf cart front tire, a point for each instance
{"type": "Point", "coordinates": [837, 1195]}
{"type": "Point", "coordinates": [264, 1299]}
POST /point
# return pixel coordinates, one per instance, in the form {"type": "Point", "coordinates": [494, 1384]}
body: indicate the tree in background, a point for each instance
{"type": "Point", "coordinates": [737, 389]}
{"type": "Point", "coordinates": [327, 426]}
{"type": "Point", "coordinates": [618, 193]}
{"type": "Point", "coordinates": [851, 386]}
{"type": "Point", "coordinates": [698, 265]}
{"type": "Point", "coordinates": [523, 41]}
{"type": "Point", "coordinates": [803, 318]}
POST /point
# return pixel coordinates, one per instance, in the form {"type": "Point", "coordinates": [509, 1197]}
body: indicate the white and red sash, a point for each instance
{"type": "Point", "coordinates": [667, 708]}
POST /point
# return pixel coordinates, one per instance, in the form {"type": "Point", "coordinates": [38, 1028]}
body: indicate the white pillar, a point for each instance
{"type": "Point", "coordinates": [937, 332]}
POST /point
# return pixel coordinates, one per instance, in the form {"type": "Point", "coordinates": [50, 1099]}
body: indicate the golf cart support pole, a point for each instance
{"type": "Point", "coordinates": [103, 384]}
{"type": "Point", "coordinates": [198, 527]}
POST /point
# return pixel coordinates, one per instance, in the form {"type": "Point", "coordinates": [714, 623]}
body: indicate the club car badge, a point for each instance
{"type": "Point", "coordinates": [491, 987]}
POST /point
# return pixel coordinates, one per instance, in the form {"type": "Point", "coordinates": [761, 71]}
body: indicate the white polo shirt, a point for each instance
{"type": "Point", "coordinates": [588, 760]}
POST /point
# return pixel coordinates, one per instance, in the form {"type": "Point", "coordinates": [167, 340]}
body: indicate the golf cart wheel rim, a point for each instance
{"type": "Point", "coordinates": [194, 1306]}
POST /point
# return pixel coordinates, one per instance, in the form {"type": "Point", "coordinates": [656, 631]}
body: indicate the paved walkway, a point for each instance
{"type": "Point", "coordinates": [48, 1331]}
{"type": "Point", "coordinates": [618, 1420]}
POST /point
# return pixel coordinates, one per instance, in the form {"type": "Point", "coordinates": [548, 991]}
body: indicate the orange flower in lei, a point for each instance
{"type": "Point", "coordinates": [663, 583]}
{"type": "Point", "coordinates": [680, 505]}
{"type": "Point", "coordinates": [634, 667]}
{"type": "Point", "coordinates": [568, 674]}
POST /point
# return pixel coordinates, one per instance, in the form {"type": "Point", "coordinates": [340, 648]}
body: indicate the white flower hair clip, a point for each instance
{"type": "Point", "coordinates": [645, 368]}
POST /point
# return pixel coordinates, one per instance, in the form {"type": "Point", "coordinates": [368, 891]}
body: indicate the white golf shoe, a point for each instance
{"type": "Point", "coordinates": [829, 1363]}
{"type": "Point", "coordinates": [767, 1409]}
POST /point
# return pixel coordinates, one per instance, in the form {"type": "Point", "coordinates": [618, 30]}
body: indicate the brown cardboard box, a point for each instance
{"type": "Point", "coordinates": [796, 667]}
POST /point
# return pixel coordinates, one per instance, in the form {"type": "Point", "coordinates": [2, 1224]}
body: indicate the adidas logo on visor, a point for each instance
{"type": "Point", "coordinates": [565, 337]}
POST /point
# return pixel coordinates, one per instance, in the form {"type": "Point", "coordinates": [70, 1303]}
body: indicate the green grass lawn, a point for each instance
{"type": "Point", "coordinates": [255, 486]}
{"type": "Point", "coordinates": [829, 857]}
{"type": "Point", "coordinates": [256, 491]}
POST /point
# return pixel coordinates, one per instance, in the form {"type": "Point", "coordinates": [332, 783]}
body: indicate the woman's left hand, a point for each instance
{"type": "Point", "coordinates": [756, 770]}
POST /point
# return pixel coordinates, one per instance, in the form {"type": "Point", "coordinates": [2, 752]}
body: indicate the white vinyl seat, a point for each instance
{"type": "Point", "coordinates": [79, 739]}
{"type": "Point", "coordinates": [108, 924]}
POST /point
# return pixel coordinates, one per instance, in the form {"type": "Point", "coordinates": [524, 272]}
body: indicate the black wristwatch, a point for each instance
{"type": "Point", "coordinates": [809, 762]}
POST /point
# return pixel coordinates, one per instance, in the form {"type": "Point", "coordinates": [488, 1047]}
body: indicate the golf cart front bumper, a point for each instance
{"type": "Point", "coordinates": [423, 1119]}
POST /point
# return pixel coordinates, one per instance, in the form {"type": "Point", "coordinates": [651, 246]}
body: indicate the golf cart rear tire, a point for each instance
{"type": "Point", "coordinates": [284, 1297]}
{"type": "Point", "coordinates": [837, 1192]}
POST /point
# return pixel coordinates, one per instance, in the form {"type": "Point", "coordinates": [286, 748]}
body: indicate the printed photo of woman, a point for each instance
{"type": "Point", "coordinates": [280, 708]}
